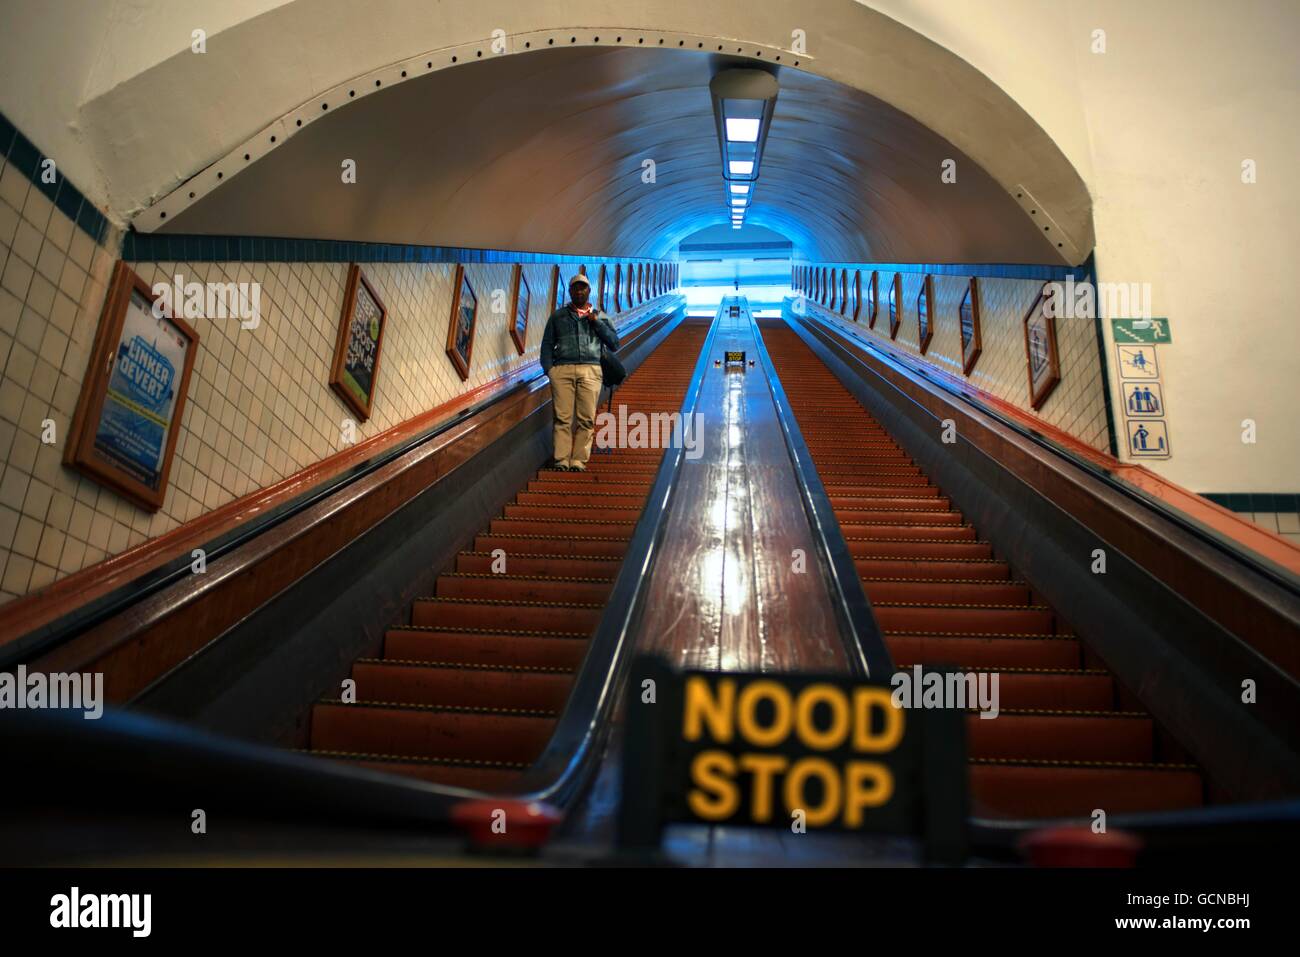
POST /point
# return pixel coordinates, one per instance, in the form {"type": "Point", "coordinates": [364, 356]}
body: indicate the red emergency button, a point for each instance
{"type": "Point", "coordinates": [1080, 847]}
{"type": "Point", "coordinates": [506, 823]}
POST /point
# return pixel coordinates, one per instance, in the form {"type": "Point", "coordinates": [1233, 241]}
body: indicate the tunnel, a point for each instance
{"type": "Point", "coordinates": [647, 435]}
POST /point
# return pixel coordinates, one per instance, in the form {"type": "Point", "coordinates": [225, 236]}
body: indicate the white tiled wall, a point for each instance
{"type": "Point", "coordinates": [1286, 524]}
{"type": "Point", "coordinates": [1077, 404]}
{"type": "Point", "coordinates": [259, 407]}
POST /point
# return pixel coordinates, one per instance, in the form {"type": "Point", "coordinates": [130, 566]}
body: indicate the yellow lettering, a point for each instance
{"type": "Point", "coordinates": [748, 708]}
{"type": "Point", "coordinates": [703, 708]}
{"type": "Point", "coordinates": [794, 790]}
{"type": "Point", "coordinates": [866, 784]}
{"type": "Point", "coordinates": [713, 771]}
{"type": "Point", "coordinates": [808, 733]}
{"type": "Point", "coordinates": [764, 767]}
{"type": "Point", "coordinates": [864, 699]}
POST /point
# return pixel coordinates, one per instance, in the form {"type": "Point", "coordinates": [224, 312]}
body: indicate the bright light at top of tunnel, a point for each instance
{"type": "Point", "coordinates": [742, 130]}
{"type": "Point", "coordinates": [742, 167]}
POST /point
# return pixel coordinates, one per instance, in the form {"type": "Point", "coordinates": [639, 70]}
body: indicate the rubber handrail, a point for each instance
{"type": "Point", "coordinates": [1258, 563]}
{"type": "Point", "coordinates": [95, 612]}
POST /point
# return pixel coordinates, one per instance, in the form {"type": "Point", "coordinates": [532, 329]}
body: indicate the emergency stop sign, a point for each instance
{"type": "Point", "coordinates": [794, 751]}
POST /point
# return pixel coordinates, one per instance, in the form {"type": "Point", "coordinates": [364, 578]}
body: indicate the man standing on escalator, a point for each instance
{"type": "Point", "coordinates": [570, 355]}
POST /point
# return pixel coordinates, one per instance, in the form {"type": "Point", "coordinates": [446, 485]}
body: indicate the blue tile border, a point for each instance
{"type": "Point", "coordinates": [1256, 501]}
{"type": "Point", "coordinates": [21, 153]}
{"type": "Point", "coordinates": [168, 247]}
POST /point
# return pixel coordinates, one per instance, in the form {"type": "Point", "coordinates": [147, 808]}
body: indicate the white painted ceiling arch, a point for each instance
{"type": "Point", "coordinates": [491, 153]}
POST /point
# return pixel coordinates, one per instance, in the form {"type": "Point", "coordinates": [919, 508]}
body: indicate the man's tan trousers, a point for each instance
{"type": "Point", "coordinates": [575, 388]}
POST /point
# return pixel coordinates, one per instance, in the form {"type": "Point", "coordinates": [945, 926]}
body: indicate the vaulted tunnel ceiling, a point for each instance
{"type": "Point", "coordinates": [544, 152]}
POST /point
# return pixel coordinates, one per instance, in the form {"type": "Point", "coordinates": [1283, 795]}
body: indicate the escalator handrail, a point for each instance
{"type": "Point", "coordinates": [560, 772]}
{"type": "Point", "coordinates": [869, 654]}
{"type": "Point", "coordinates": [1259, 564]}
{"type": "Point", "coordinates": [55, 743]}
{"type": "Point", "coordinates": [76, 622]}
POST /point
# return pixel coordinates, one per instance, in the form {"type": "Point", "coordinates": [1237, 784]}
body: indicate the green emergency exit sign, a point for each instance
{"type": "Point", "coordinates": [1149, 331]}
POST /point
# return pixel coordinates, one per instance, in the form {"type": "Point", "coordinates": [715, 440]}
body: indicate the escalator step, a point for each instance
{"type": "Point", "coordinates": [986, 651]}
{"type": "Point", "coordinates": [1061, 789]}
{"type": "Point", "coordinates": [965, 619]}
{"type": "Point", "coordinates": [481, 563]}
{"type": "Point", "coordinates": [584, 546]}
{"type": "Point", "coordinates": [946, 591]}
{"type": "Point", "coordinates": [479, 646]}
{"type": "Point", "coordinates": [1075, 736]}
{"type": "Point", "coordinates": [412, 682]}
{"type": "Point", "coordinates": [497, 735]}
{"type": "Point", "coordinates": [955, 568]}
{"type": "Point", "coordinates": [522, 588]}
{"type": "Point", "coordinates": [870, 547]}
{"type": "Point", "coordinates": [538, 616]}
{"type": "Point", "coordinates": [543, 526]}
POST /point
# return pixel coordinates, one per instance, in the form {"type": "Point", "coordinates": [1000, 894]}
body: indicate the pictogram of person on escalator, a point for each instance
{"type": "Point", "coordinates": [571, 347]}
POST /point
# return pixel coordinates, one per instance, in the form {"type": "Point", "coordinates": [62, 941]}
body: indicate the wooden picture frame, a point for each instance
{"type": "Point", "coordinates": [132, 402]}
{"type": "Point", "coordinates": [354, 374]}
{"type": "Point", "coordinates": [557, 288]}
{"type": "Point", "coordinates": [925, 313]}
{"type": "Point", "coordinates": [968, 326]}
{"type": "Point", "coordinates": [895, 304]}
{"type": "Point", "coordinates": [463, 322]}
{"type": "Point", "coordinates": [520, 303]}
{"type": "Point", "coordinates": [1042, 356]}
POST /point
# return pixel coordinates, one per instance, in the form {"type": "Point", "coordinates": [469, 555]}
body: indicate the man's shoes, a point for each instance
{"type": "Point", "coordinates": [555, 466]}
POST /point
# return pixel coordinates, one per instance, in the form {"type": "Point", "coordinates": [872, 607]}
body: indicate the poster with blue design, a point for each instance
{"type": "Point", "coordinates": [141, 398]}
{"type": "Point", "coordinates": [132, 402]}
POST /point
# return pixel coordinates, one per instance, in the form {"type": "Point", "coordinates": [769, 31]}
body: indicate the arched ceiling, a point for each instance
{"type": "Point", "coordinates": [154, 132]}
{"type": "Point", "coordinates": [546, 151]}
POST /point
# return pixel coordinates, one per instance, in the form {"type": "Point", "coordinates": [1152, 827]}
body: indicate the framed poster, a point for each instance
{"type": "Point", "coordinates": [832, 300]}
{"type": "Point", "coordinates": [618, 287]}
{"type": "Point", "coordinates": [519, 309]}
{"type": "Point", "coordinates": [844, 291]}
{"type": "Point", "coordinates": [873, 299]}
{"type": "Point", "coordinates": [925, 313]}
{"type": "Point", "coordinates": [895, 299]}
{"type": "Point", "coordinates": [464, 317]}
{"type": "Point", "coordinates": [640, 282]}
{"type": "Point", "coordinates": [558, 291]}
{"type": "Point", "coordinates": [600, 297]}
{"type": "Point", "coordinates": [857, 294]}
{"type": "Point", "coordinates": [132, 401]}
{"type": "Point", "coordinates": [355, 372]}
{"type": "Point", "coordinates": [1041, 356]}
{"type": "Point", "coordinates": [968, 321]}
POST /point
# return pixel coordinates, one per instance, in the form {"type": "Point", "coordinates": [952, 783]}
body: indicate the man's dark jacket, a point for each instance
{"type": "Point", "coordinates": [570, 339]}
